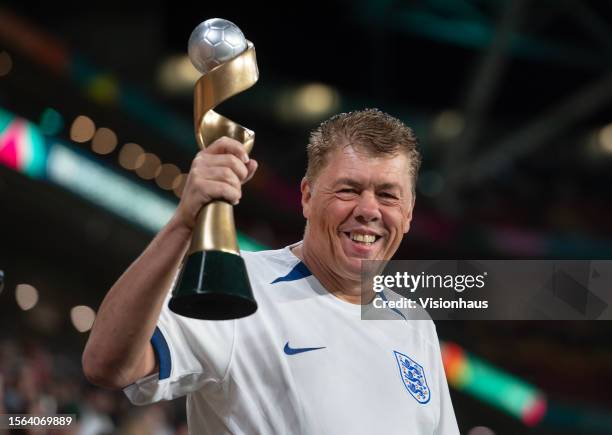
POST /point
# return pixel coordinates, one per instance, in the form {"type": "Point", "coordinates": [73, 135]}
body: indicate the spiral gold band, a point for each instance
{"type": "Point", "coordinates": [215, 229]}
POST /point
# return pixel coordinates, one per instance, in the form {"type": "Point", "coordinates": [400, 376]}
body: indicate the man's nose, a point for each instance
{"type": "Point", "coordinates": [367, 209]}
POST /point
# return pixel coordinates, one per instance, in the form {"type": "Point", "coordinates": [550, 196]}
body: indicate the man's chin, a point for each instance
{"type": "Point", "coordinates": [353, 266]}
{"type": "Point", "coordinates": [352, 263]}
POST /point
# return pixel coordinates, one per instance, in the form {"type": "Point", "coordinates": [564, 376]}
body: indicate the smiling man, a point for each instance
{"type": "Point", "coordinates": [357, 196]}
{"type": "Point", "coordinates": [305, 362]}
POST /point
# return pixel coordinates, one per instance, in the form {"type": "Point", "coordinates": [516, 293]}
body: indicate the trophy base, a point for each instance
{"type": "Point", "coordinates": [213, 285]}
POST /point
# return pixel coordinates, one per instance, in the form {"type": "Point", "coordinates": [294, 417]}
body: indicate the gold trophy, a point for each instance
{"type": "Point", "coordinates": [213, 283]}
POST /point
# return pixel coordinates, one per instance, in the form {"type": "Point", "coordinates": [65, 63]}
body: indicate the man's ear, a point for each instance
{"type": "Point", "coordinates": [306, 195]}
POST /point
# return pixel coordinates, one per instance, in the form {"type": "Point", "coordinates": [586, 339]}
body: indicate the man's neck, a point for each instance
{"type": "Point", "coordinates": [346, 290]}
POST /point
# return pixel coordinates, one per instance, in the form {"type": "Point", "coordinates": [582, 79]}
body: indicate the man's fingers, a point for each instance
{"type": "Point", "coordinates": [224, 175]}
{"type": "Point", "coordinates": [214, 190]}
{"type": "Point", "coordinates": [226, 160]}
{"type": "Point", "coordinates": [226, 145]}
{"type": "Point", "coordinates": [252, 167]}
{"type": "Point", "coordinates": [217, 173]}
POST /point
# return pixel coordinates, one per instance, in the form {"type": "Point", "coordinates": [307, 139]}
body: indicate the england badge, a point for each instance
{"type": "Point", "coordinates": [413, 376]}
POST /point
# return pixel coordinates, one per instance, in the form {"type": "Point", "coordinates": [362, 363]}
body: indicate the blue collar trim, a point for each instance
{"type": "Point", "coordinates": [395, 310]}
{"type": "Point", "coordinates": [299, 271]}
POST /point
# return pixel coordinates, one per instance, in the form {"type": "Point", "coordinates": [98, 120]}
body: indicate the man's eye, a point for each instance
{"type": "Point", "coordinates": [347, 190]}
{"type": "Point", "coordinates": [387, 195]}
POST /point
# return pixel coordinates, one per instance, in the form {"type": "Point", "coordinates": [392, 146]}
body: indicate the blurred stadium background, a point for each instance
{"type": "Point", "coordinates": [512, 101]}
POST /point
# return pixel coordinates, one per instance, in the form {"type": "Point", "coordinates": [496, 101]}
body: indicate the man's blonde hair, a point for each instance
{"type": "Point", "coordinates": [369, 130]}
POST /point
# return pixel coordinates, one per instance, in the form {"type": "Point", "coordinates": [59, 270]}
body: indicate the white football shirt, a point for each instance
{"type": "Point", "coordinates": [304, 363]}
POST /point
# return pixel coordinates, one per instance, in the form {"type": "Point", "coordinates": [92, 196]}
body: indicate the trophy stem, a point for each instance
{"type": "Point", "coordinates": [215, 229]}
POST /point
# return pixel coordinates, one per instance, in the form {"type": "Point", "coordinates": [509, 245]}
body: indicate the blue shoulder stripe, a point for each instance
{"type": "Point", "coordinates": [162, 352]}
{"type": "Point", "coordinates": [299, 271]}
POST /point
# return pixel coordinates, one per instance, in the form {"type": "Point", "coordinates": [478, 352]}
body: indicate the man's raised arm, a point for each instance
{"type": "Point", "coordinates": [118, 351]}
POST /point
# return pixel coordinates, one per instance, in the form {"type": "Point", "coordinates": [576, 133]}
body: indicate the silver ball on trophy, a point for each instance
{"type": "Point", "coordinates": [213, 42]}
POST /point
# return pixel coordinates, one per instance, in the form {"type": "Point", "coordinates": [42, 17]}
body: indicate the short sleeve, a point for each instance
{"type": "Point", "coordinates": [192, 354]}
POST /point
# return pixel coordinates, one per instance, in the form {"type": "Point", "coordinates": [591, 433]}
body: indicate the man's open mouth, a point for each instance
{"type": "Point", "coordinates": [360, 238]}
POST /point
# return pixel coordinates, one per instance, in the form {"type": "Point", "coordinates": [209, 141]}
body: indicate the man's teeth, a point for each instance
{"type": "Point", "coordinates": [363, 238]}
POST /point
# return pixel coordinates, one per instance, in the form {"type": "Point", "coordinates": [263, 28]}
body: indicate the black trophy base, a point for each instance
{"type": "Point", "coordinates": [213, 285]}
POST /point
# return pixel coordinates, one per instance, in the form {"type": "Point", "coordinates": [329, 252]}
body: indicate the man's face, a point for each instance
{"type": "Point", "coordinates": [359, 207]}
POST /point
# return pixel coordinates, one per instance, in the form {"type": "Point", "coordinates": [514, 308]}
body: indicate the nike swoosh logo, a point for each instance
{"type": "Point", "coordinates": [293, 351]}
